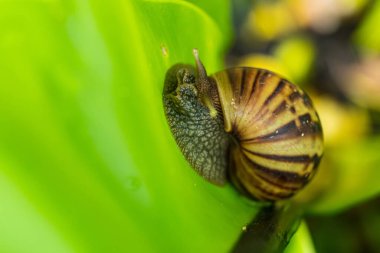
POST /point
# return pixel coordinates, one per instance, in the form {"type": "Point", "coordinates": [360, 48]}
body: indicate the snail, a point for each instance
{"type": "Point", "coordinates": [245, 125]}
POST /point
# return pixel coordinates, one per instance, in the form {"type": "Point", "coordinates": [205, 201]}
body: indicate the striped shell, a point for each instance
{"type": "Point", "coordinates": [247, 125]}
{"type": "Point", "coordinates": [278, 137]}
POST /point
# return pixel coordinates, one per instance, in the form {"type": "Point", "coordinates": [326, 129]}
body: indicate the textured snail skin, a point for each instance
{"type": "Point", "coordinates": [201, 138]}
{"type": "Point", "coordinates": [245, 124]}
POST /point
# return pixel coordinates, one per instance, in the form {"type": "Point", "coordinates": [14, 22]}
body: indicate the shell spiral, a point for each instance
{"type": "Point", "coordinates": [247, 125]}
{"type": "Point", "coordinates": [277, 133]}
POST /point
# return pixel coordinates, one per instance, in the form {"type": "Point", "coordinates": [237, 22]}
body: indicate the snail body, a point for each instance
{"type": "Point", "coordinates": [245, 125]}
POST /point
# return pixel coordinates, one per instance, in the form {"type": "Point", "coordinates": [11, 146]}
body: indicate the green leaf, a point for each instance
{"type": "Point", "coordinates": [88, 163]}
{"type": "Point", "coordinates": [301, 241]}
{"type": "Point", "coordinates": [347, 177]}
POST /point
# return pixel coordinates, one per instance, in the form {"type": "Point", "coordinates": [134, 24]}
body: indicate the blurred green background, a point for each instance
{"type": "Point", "coordinates": [88, 163]}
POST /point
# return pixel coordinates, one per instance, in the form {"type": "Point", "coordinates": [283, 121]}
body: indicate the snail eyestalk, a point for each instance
{"type": "Point", "coordinates": [203, 82]}
{"type": "Point", "coordinates": [203, 85]}
{"type": "Point", "coordinates": [202, 74]}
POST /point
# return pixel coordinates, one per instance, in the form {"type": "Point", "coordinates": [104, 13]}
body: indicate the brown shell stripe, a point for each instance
{"type": "Point", "coordinates": [256, 185]}
{"type": "Point", "coordinates": [276, 127]}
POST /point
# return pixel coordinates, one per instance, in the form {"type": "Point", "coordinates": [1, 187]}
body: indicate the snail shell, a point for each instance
{"type": "Point", "coordinates": [244, 124]}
